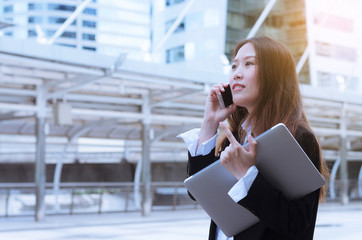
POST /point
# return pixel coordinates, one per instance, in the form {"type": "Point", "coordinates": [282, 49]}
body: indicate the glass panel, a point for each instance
{"type": "Point", "coordinates": [61, 7]}
{"type": "Point", "coordinates": [176, 54]}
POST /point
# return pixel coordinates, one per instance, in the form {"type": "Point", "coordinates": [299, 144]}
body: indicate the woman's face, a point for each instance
{"type": "Point", "coordinates": [244, 80]}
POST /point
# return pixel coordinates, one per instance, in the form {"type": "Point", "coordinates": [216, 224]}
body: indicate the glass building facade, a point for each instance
{"type": "Point", "coordinates": [104, 26]}
{"type": "Point", "coordinates": [192, 34]}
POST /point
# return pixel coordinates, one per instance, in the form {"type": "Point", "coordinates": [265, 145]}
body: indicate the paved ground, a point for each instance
{"type": "Point", "coordinates": [334, 222]}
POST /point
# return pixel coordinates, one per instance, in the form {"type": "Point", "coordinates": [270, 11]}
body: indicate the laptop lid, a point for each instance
{"type": "Point", "coordinates": [281, 161]}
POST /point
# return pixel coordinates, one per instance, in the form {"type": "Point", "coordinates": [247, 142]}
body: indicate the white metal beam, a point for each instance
{"type": "Point", "coordinates": [302, 59]}
{"type": "Point", "coordinates": [261, 18]}
{"type": "Point", "coordinates": [74, 88]}
{"type": "Point", "coordinates": [18, 92]}
{"type": "Point", "coordinates": [69, 20]}
{"type": "Point", "coordinates": [168, 100]}
{"type": "Point", "coordinates": [174, 26]}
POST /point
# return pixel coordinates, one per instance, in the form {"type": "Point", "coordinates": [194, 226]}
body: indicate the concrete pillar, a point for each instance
{"type": "Point", "coordinates": [40, 167]}
{"type": "Point", "coordinates": [146, 171]}
{"type": "Point", "coordinates": [344, 173]}
{"type": "Point", "coordinates": [344, 166]}
{"type": "Point", "coordinates": [332, 178]}
{"type": "Point", "coordinates": [146, 162]}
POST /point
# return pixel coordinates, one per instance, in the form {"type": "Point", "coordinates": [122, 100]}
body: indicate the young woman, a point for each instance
{"type": "Point", "coordinates": [265, 92]}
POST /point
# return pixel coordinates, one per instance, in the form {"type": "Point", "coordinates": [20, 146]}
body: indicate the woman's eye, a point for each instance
{"type": "Point", "coordinates": [233, 66]}
{"type": "Point", "coordinates": [249, 63]}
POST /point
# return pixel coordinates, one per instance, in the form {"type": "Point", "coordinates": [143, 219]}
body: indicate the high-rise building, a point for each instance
{"type": "Point", "coordinates": [109, 27]}
{"type": "Point", "coordinates": [334, 38]}
{"type": "Point", "coordinates": [189, 33]}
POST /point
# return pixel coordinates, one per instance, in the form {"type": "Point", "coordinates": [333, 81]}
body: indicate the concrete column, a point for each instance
{"type": "Point", "coordinates": [344, 166]}
{"type": "Point", "coordinates": [146, 162]}
{"type": "Point", "coordinates": [332, 178]}
{"type": "Point", "coordinates": [40, 167]}
{"type": "Point", "coordinates": [344, 172]}
{"type": "Point", "coordinates": [146, 171]}
{"type": "Point", "coordinates": [40, 175]}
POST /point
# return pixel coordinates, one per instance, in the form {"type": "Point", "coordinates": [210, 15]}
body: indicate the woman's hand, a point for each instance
{"type": "Point", "coordinates": [213, 113]}
{"type": "Point", "coordinates": [235, 158]}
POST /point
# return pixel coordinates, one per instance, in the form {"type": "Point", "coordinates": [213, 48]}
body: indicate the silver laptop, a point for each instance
{"type": "Point", "coordinates": [281, 161]}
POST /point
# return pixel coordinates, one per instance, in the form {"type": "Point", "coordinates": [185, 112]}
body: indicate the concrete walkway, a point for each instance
{"type": "Point", "coordinates": [334, 222]}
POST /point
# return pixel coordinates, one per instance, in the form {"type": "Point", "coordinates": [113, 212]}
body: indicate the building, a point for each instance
{"type": "Point", "coordinates": [189, 33]}
{"type": "Point", "coordinates": [334, 36]}
{"type": "Point", "coordinates": [106, 27]}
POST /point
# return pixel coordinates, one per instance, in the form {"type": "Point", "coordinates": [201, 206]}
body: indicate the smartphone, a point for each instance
{"type": "Point", "coordinates": [226, 98]}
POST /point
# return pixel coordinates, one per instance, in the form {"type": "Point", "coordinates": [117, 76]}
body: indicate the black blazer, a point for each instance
{"type": "Point", "coordinates": [280, 218]}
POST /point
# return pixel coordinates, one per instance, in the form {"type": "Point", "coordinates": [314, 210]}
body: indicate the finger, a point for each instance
{"type": "Point", "coordinates": [228, 134]}
{"type": "Point", "coordinates": [232, 108]}
{"type": "Point", "coordinates": [217, 89]}
{"type": "Point", "coordinates": [222, 87]}
{"type": "Point", "coordinates": [253, 144]}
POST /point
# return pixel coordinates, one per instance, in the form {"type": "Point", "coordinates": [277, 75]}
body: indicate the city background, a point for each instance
{"type": "Point", "coordinates": [94, 92]}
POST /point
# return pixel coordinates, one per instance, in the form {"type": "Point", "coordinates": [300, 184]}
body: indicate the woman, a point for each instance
{"type": "Point", "coordinates": [265, 92]}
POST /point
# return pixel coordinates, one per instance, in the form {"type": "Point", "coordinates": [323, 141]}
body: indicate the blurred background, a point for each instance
{"type": "Point", "coordinates": [93, 94]}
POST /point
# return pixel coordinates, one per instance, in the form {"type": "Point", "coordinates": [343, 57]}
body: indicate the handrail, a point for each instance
{"type": "Point", "coordinates": [95, 199]}
{"type": "Point", "coordinates": [89, 184]}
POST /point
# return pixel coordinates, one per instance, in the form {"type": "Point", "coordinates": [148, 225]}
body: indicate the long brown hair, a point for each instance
{"type": "Point", "coordinates": [279, 99]}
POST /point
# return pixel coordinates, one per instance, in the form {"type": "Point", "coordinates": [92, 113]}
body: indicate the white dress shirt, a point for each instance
{"type": "Point", "coordinates": [240, 189]}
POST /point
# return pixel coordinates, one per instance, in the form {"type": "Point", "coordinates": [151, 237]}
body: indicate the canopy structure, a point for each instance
{"type": "Point", "coordinates": [109, 97]}
{"type": "Point", "coordinates": [53, 95]}
{"type": "Point", "coordinates": [59, 94]}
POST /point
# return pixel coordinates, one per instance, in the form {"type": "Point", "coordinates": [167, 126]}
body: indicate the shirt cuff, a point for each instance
{"type": "Point", "coordinates": [191, 138]}
{"type": "Point", "coordinates": [241, 188]}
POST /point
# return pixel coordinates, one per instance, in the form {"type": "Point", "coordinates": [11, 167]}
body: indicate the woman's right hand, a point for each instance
{"type": "Point", "coordinates": [214, 114]}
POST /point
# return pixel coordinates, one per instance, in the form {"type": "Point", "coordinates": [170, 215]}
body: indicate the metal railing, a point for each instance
{"type": "Point", "coordinates": [18, 199]}
{"type": "Point", "coordinates": [354, 190]}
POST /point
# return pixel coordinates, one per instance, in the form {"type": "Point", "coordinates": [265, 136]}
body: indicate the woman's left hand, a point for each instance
{"type": "Point", "coordinates": [235, 158]}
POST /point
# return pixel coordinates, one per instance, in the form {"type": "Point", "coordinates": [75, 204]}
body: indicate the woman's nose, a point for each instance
{"type": "Point", "coordinates": [238, 74]}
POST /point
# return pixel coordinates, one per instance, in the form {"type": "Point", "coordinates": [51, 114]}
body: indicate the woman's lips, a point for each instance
{"type": "Point", "coordinates": [238, 87]}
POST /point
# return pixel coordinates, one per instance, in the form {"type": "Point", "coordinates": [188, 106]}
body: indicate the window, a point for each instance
{"type": "Point", "coordinates": [173, 2]}
{"type": "Point", "coordinates": [32, 33]}
{"type": "Point", "coordinates": [89, 37]}
{"type": "Point", "coordinates": [61, 7]}
{"type": "Point", "coordinates": [334, 22]}
{"type": "Point", "coordinates": [90, 11]}
{"type": "Point", "coordinates": [66, 34]}
{"type": "Point", "coordinates": [59, 20]}
{"type": "Point", "coordinates": [337, 81]}
{"type": "Point", "coordinates": [66, 45]}
{"type": "Point", "coordinates": [90, 24]}
{"type": "Point", "coordinates": [36, 19]}
{"type": "Point", "coordinates": [335, 51]}
{"type": "Point", "coordinates": [35, 6]}
{"type": "Point", "coordinates": [89, 48]}
{"type": "Point", "coordinates": [69, 35]}
{"type": "Point", "coordinates": [180, 28]}
{"type": "Point", "coordinates": [176, 54]}
{"type": "Point", "coordinates": [8, 9]}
